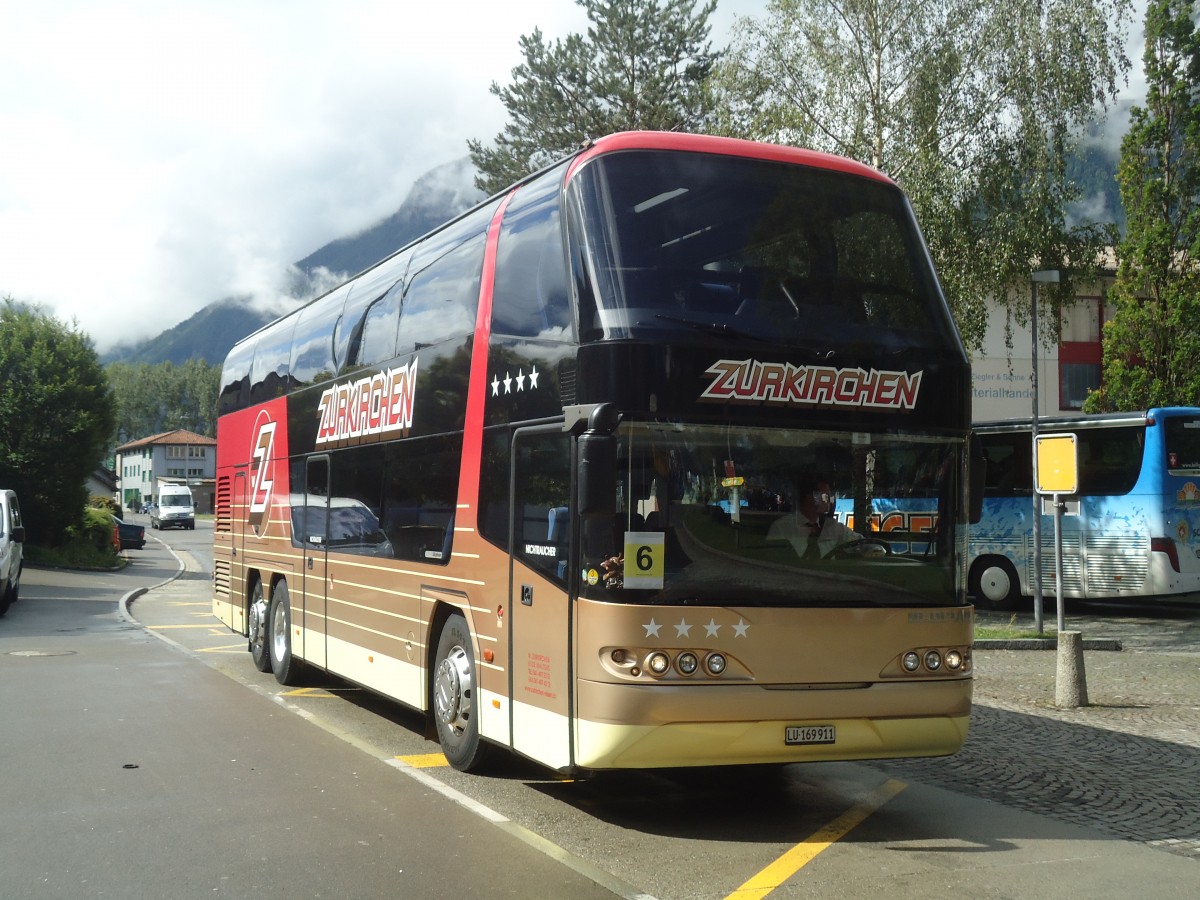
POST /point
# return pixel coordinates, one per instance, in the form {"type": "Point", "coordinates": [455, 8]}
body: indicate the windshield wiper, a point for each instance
{"type": "Point", "coordinates": [719, 328]}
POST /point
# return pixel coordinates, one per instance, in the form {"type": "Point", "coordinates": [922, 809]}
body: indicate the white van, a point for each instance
{"type": "Point", "coordinates": [174, 508]}
{"type": "Point", "coordinates": [12, 536]}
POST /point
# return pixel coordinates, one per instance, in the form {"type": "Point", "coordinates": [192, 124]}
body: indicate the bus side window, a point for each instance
{"type": "Point", "coordinates": [420, 491]}
{"type": "Point", "coordinates": [530, 292]}
{"type": "Point", "coordinates": [543, 485]}
{"type": "Point", "coordinates": [493, 487]}
{"type": "Point", "coordinates": [558, 533]}
{"type": "Point", "coordinates": [373, 340]}
{"type": "Point", "coordinates": [1009, 465]}
{"type": "Point", "coordinates": [440, 300]}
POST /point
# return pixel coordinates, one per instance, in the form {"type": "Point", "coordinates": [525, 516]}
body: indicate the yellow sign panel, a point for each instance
{"type": "Point", "coordinates": [736, 481]}
{"type": "Point", "coordinates": [645, 559]}
{"type": "Point", "coordinates": [1057, 464]}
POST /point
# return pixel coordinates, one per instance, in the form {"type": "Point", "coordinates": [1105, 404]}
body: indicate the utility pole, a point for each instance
{"type": "Point", "coordinates": [1045, 276]}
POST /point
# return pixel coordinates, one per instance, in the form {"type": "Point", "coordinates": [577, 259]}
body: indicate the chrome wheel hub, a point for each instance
{"type": "Point", "coordinates": [258, 622]}
{"type": "Point", "coordinates": [452, 689]}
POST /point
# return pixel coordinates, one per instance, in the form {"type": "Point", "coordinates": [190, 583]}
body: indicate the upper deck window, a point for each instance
{"type": "Point", "coordinates": [671, 241]}
{"type": "Point", "coordinates": [1183, 445]}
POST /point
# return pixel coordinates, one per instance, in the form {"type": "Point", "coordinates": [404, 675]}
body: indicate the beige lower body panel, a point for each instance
{"type": "Point", "coordinates": [232, 615]}
{"type": "Point", "coordinates": [396, 678]}
{"type": "Point", "coordinates": [687, 733]}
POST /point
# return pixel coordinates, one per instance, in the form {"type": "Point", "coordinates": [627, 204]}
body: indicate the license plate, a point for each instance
{"type": "Point", "coordinates": [810, 734]}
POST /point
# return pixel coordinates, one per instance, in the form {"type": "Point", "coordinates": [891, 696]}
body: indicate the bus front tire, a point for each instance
{"type": "Point", "coordinates": [260, 646]}
{"type": "Point", "coordinates": [456, 697]}
{"type": "Point", "coordinates": [286, 667]}
{"type": "Point", "coordinates": [994, 584]}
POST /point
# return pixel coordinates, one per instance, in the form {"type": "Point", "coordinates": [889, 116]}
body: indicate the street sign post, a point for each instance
{"type": "Point", "coordinates": [1057, 474]}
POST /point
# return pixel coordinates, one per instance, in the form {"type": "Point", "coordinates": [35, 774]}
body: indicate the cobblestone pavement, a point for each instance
{"type": "Point", "coordinates": [1128, 764]}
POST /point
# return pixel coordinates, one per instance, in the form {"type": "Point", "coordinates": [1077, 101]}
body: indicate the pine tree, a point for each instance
{"type": "Point", "coordinates": [642, 65]}
{"type": "Point", "coordinates": [1152, 341]}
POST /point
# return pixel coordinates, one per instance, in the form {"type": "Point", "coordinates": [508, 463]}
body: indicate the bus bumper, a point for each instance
{"type": "Point", "coordinates": [866, 727]}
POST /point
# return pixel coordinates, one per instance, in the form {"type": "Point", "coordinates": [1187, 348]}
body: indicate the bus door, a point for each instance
{"type": "Point", "coordinates": [540, 617]}
{"type": "Point", "coordinates": [315, 538]}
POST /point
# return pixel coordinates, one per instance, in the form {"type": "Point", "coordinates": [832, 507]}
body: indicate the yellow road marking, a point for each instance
{"type": "Point", "coordinates": [307, 692]}
{"type": "Point", "coordinates": [227, 648]}
{"type": "Point", "coordinates": [165, 627]}
{"type": "Point", "coordinates": [803, 853]}
{"type": "Point", "coordinates": [424, 760]}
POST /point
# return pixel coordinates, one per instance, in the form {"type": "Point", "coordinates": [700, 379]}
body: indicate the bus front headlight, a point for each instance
{"type": "Point", "coordinates": [657, 663]}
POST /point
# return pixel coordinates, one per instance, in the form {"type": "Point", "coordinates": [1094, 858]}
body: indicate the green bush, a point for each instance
{"type": "Point", "coordinates": [98, 501]}
{"type": "Point", "coordinates": [88, 545]}
{"type": "Point", "coordinates": [96, 531]}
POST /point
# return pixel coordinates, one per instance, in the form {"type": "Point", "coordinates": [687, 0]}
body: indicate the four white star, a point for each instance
{"type": "Point", "coordinates": [684, 628]}
{"type": "Point", "coordinates": [520, 378]}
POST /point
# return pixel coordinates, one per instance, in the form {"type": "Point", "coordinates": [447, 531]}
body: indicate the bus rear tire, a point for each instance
{"type": "Point", "coordinates": [260, 648]}
{"type": "Point", "coordinates": [286, 667]}
{"type": "Point", "coordinates": [994, 584]}
{"type": "Point", "coordinates": [456, 697]}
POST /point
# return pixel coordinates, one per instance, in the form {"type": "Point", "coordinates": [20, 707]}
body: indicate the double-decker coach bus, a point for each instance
{"type": "Point", "coordinates": [1131, 531]}
{"type": "Point", "coordinates": [522, 474]}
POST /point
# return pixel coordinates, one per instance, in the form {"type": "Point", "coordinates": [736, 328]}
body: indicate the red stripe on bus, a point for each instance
{"type": "Point", "coordinates": [468, 479]}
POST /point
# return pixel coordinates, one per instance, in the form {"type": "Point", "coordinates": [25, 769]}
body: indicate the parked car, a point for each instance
{"type": "Point", "coordinates": [12, 536]}
{"type": "Point", "coordinates": [127, 536]}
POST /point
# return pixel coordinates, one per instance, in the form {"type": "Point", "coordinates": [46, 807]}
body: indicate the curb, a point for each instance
{"type": "Point", "coordinates": [1044, 644]}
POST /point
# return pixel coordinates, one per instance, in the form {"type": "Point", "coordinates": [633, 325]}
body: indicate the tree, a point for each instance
{"type": "Point", "coordinates": [163, 397]}
{"type": "Point", "coordinates": [970, 107]}
{"type": "Point", "coordinates": [642, 65]}
{"type": "Point", "coordinates": [1152, 342]}
{"type": "Point", "coordinates": [56, 418]}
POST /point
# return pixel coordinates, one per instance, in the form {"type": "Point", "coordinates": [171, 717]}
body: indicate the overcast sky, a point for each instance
{"type": "Point", "coordinates": [156, 156]}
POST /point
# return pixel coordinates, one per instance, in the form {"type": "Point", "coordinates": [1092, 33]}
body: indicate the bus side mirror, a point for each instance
{"type": "Point", "coordinates": [598, 463]}
{"type": "Point", "coordinates": [976, 475]}
{"type": "Point", "coordinates": [597, 474]}
{"type": "Point", "coordinates": [18, 534]}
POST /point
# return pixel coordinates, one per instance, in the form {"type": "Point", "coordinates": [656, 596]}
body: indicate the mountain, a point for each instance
{"type": "Point", "coordinates": [436, 197]}
{"type": "Point", "coordinates": [207, 335]}
{"type": "Point", "coordinates": [439, 195]}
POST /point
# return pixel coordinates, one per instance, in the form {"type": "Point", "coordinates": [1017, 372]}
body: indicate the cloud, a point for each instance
{"type": "Point", "coordinates": [158, 157]}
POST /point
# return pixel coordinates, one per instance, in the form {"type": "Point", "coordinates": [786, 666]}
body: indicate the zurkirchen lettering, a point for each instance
{"type": "Point", "coordinates": [372, 405]}
{"type": "Point", "coordinates": [751, 381]}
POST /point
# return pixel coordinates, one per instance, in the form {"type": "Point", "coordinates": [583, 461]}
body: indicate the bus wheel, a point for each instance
{"type": "Point", "coordinates": [286, 667]}
{"type": "Point", "coordinates": [260, 650]}
{"type": "Point", "coordinates": [994, 584]}
{"type": "Point", "coordinates": [456, 697]}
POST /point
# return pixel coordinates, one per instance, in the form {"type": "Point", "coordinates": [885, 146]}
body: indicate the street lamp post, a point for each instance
{"type": "Point", "coordinates": [1045, 276]}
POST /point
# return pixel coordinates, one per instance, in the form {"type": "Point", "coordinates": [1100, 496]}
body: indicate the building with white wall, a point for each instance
{"type": "Point", "coordinates": [1002, 372]}
{"type": "Point", "coordinates": [174, 457]}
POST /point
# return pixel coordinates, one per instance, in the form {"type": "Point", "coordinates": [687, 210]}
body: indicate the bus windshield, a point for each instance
{"type": "Point", "coordinates": [720, 515]}
{"type": "Point", "coordinates": [747, 248]}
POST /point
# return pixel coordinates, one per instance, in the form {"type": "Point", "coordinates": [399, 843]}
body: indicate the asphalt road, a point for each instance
{"type": "Point", "coordinates": [245, 788]}
{"type": "Point", "coordinates": [130, 769]}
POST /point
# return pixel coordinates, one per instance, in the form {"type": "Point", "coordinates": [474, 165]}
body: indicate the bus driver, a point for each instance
{"type": "Point", "coordinates": [812, 529]}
